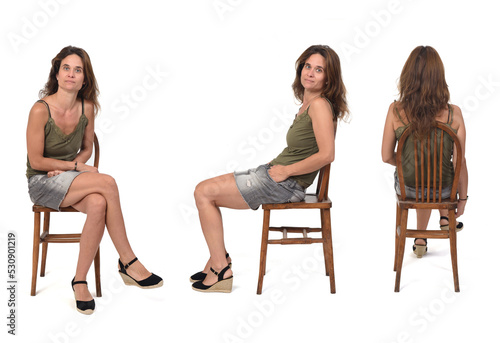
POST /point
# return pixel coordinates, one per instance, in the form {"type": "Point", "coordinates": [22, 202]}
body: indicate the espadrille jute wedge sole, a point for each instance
{"type": "Point", "coordinates": [420, 250]}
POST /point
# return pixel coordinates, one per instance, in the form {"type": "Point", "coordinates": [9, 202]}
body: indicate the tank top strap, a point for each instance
{"type": "Point", "coordinates": [46, 105]}
{"type": "Point", "coordinates": [397, 113]}
{"type": "Point", "coordinates": [450, 114]}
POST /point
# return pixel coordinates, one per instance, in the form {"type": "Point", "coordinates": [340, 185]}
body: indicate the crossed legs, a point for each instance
{"type": "Point", "coordinates": [97, 195]}
{"type": "Point", "coordinates": [210, 195]}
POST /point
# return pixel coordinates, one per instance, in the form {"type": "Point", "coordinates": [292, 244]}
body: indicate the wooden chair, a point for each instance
{"type": "Point", "coordinates": [427, 167]}
{"type": "Point", "coordinates": [45, 238]}
{"type": "Point", "coordinates": [320, 201]}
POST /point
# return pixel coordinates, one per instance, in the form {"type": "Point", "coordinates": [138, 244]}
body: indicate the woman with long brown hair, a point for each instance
{"type": "Point", "coordinates": [60, 137]}
{"type": "Point", "coordinates": [319, 87]}
{"type": "Point", "coordinates": [424, 99]}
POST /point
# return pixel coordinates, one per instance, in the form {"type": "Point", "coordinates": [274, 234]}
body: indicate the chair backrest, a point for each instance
{"type": "Point", "coordinates": [323, 182]}
{"type": "Point", "coordinates": [96, 151]}
{"type": "Point", "coordinates": [429, 164]}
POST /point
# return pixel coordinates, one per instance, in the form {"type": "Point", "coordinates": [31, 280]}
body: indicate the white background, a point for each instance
{"type": "Point", "coordinates": [192, 89]}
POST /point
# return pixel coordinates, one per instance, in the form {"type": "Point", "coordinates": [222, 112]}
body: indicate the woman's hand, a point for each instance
{"type": "Point", "coordinates": [461, 207]}
{"type": "Point", "coordinates": [87, 168]}
{"type": "Point", "coordinates": [54, 173]}
{"type": "Point", "coordinates": [278, 173]}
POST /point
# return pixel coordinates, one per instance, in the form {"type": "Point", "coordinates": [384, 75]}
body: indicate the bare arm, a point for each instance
{"type": "Point", "coordinates": [389, 139]}
{"type": "Point", "coordinates": [463, 181]}
{"type": "Point", "coordinates": [324, 131]}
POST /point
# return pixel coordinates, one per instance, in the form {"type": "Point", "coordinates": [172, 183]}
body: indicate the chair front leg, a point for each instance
{"type": "Point", "coordinates": [45, 245]}
{"type": "Point", "coordinates": [398, 224]}
{"type": "Point", "coordinates": [453, 247]}
{"type": "Point", "coordinates": [36, 249]}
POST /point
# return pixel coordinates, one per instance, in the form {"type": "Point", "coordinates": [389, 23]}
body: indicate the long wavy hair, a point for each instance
{"type": "Point", "coordinates": [90, 89]}
{"type": "Point", "coordinates": [334, 89]}
{"type": "Point", "coordinates": [423, 91]}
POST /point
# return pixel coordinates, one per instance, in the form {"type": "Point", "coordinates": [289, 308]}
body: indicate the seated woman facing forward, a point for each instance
{"type": "Point", "coordinates": [60, 137]}
{"type": "Point", "coordinates": [311, 145]}
{"type": "Point", "coordinates": [423, 99]}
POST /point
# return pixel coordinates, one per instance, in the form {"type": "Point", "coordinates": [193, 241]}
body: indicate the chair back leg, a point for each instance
{"type": "Point", "coordinates": [263, 250]}
{"type": "Point", "coordinates": [97, 270]}
{"type": "Point", "coordinates": [326, 229]}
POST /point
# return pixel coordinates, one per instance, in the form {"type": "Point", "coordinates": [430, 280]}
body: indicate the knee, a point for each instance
{"type": "Point", "coordinates": [96, 205]}
{"type": "Point", "coordinates": [205, 191]}
{"type": "Point", "coordinates": [109, 184]}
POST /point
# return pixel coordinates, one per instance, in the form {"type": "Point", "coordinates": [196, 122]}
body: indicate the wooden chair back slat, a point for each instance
{"type": "Point", "coordinates": [434, 170]}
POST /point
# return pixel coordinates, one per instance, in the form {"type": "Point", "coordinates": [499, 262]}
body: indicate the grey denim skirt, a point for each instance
{"type": "Point", "coordinates": [50, 191]}
{"type": "Point", "coordinates": [412, 192]}
{"type": "Point", "coordinates": [257, 188]}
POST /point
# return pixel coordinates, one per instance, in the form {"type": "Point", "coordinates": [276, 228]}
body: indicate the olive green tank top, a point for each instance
{"type": "Point", "coordinates": [59, 145]}
{"type": "Point", "coordinates": [301, 143]}
{"type": "Point", "coordinates": [408, 157]}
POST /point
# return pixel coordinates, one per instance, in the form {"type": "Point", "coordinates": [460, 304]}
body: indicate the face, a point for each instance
{"type": "Point", "coordinates": [313, 74]}
{"type": "Point", "coordinates": [71, 76]}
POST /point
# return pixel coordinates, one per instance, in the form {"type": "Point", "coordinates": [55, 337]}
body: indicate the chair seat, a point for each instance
{"type": "Point", "coordinates": [310, 201]}
{"type": "Point", "coordinates": [39, 208]}
{"type": "Point", "coordinates": [445, 204]}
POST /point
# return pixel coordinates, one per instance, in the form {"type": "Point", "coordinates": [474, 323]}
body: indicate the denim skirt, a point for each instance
{"type": "Point", "coordinates": [50, 191]}
{"type": "Point", "coordinates": [411, 192]}
{"type": "Point", "coordinates": [257, 188]}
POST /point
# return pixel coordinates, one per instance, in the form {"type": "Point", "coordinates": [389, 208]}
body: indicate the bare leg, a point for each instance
{"type": "Point", "coordinates": [422, 221]}
{"type": "Point", "coordinates": [101, 186]}
{"type": "Point", "coordinates": [94, 205]}
{"type": "Point", "coordinates": [210, 195]}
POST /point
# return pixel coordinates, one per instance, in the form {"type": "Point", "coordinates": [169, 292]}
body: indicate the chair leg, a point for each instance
{"type": "Point", "coordinates": [45, 245]}
{"type": "Point", "coordinates": [453, 248]}
{"type": "Point", "coordinates": [398, 220]}
{"type": "Point", "coordinates": [263, 249]}
{"type": "Point", "coordinates": [328, 247]}
{"type": "Point", "coordinates": [401, 247]}
{"type": "Point", "coordinates": [97, 269]}
{"type": "Point", "coordinates": [36, 247]}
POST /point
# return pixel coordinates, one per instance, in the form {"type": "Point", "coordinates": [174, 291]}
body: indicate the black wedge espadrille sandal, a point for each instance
{"type": "Point", "coordinates": [85, 307]}
{"type": "Point", "coordinates": [153, 281]}
{"type": "Point", "coordinates": [222, 285]}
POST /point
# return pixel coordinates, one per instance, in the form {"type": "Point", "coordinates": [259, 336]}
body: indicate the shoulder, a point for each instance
{"type": "Point", "coordinates": [320, 107]}
{"type": "Point", "coordinates": [88, 108]}
{"type": "Point", "coordinates": [39, 111]}
{"type": "Point", "coordinates": [458, 119]}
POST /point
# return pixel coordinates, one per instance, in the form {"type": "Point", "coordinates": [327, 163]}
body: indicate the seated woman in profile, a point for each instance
{"type": "Point", "coordinates": [311, 145]}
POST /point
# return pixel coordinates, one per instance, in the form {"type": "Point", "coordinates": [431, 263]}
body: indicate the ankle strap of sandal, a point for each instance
{"type": "Point", "coordinates": [220, 274]}
{"type": "Point", "coordinates": [79, 282]}
{"type": "Point", "coordinates": [129, 264]}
